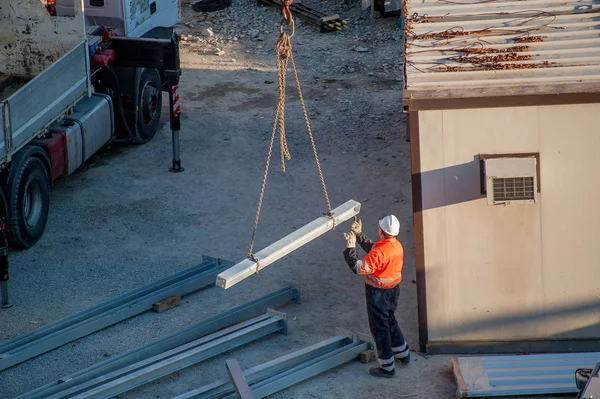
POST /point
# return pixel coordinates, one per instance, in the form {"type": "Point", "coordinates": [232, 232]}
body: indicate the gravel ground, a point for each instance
{"type": "Point", "coordinates": [125, 221]}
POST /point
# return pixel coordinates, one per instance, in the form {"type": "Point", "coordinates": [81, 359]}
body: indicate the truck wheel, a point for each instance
{"type": "Point", "coordinates": [150, 104]}
{"type": "Point", "coordinates": [28, 200]}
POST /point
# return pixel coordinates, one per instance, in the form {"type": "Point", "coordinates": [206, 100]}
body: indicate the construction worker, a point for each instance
{"type": "Point", "coordinates": [382, 268]}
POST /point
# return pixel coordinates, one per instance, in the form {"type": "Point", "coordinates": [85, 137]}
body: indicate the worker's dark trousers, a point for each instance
{"type": "Point", "coordinates": [381, 305]}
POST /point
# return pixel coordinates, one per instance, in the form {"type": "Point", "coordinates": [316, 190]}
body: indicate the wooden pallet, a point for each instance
{"type": "Point", "coordinates": [327, 23]}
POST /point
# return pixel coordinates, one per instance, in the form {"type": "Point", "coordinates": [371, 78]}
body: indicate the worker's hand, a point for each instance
{"type": "Point", "coordinates": [350, 239]}
{"type": "Point", "coordinates": [356, 226]}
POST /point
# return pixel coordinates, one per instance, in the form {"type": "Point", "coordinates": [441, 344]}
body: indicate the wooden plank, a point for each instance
{"type": "Point", "coordinates": [368, 356]}
{"type": "Point", "coordinates": [237, 379]}
{"type": "Point", "coordinates": [333, 18]}
{"type": "Point", "coordinates": [461, 387]}
{"type": "Point", "coordinates": [286, 245]}
{"type": "Point", "coordinates": [166, 304]}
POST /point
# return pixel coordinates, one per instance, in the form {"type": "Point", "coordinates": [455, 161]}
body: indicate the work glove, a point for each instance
{"type": "Point", "coordinates": [356, 226]}
{"type": "Point", "coordinates": [350, 239]}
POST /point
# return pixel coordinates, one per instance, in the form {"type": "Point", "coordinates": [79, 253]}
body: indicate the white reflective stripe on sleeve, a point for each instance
{"type": "Point", "coordinates": [357, 267]}
{"type": "Point", "coordinates": [364, 266]}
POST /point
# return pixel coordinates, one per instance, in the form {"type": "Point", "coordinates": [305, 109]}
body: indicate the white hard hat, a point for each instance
{"type": "Point", "coordinates": [390, 225]}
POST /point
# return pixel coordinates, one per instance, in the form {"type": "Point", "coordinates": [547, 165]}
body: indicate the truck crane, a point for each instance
{"type": "Point", "coordinates": [74, 76]}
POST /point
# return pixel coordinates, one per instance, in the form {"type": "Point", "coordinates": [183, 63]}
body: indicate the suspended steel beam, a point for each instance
{"type": "Point", "coordinates": [108, 313]}
{"type": "Point", "coordinates": [216, 323]}
{"type": "Point", "coordinates": [286, 245]}
{"type": "Point", "coordinates": [151, 369]}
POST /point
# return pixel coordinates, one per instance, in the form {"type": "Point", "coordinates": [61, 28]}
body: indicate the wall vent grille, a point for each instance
{"type": "Point", "coordinates": [513, 189]}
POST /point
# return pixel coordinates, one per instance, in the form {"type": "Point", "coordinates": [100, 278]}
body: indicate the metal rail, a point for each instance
{"type": "Point", "coordinates": [290, 369]}
{"type": "Point", "coordinates": [167, 343]}
{"type": "Point", "coordinates": [161, 365]}
{"type": "Point", "coordinates": [108, 313]}
{"type": "Point", "coordinates": [304, 372]}
{"type": "Point", "coordinates": [269, 369]}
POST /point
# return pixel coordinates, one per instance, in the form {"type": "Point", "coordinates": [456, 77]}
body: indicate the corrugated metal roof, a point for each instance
{"type": "Point", "coordinates": [501, 43]}
{"type": "Point", "coordinates": [520, 375]}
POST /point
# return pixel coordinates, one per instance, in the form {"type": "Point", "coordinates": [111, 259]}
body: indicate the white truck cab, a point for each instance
{"type": "Point", "coordinates": [131, 18]}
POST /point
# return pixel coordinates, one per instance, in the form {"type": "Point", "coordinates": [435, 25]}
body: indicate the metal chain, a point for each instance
{"type": "Point", "coordinates": [284, 56]}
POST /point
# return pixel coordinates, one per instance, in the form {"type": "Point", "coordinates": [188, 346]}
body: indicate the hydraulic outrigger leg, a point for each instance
{"type": "Point", "coordinates": [4, 267]}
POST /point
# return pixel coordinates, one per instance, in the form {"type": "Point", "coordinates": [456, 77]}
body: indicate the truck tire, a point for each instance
{"type": "Point", "coordinates": [28, 203]}
{"type": "Point", "coordinates": [150, 104]}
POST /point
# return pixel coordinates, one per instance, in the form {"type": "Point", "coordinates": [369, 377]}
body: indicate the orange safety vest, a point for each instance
{"type": "Point", "coordinates": [382, 266]}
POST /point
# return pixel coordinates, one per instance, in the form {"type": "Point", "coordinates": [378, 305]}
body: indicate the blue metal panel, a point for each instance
{"type": "Point", "coordinates": [520, 375]}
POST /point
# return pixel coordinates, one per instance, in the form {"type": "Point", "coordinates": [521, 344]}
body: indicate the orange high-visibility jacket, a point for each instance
{"type": "Point", "coordinates": [383, 264]}
{"type": "Point", "coordinates": [382, 267]}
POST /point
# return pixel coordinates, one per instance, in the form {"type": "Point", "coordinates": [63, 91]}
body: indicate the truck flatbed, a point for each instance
{"type": "Point", "coordinates": [9, 86]}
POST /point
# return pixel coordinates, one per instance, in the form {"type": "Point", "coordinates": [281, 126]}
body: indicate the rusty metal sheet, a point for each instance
{"type": "Point", "coordinates": [505, 43]}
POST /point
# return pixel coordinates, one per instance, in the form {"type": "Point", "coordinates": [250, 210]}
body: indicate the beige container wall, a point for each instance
{"type": "Point", "coordinates": [511, 272]}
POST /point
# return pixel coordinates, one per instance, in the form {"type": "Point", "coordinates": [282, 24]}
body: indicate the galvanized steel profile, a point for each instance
{"type": "Point", "coordinates": [293, 368]}
{"type": "Point", "coordinates": [130, 304]}
{"type": "Point", "coordinates": [62, 386]}
{"type": "Point", "coordinates": [478, 44]}
{"type": "Point", "coordinates": [142, 372]}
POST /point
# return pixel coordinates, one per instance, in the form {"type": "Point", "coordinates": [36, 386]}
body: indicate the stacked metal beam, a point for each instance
{"type": "Point", "coordinates": [80, 380]}
{"type": "Point", "coordinates": [142, 372]}
{"type": "Point", "coordinates": [290, 369]}
{"type": "Point", "coordinates": [130, 304]}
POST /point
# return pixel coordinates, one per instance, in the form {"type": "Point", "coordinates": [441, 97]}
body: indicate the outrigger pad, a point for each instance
{"type": "Point", "coordinates": [286, 245]}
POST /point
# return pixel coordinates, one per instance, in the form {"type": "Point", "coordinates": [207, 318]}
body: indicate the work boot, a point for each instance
{"type": "Point", "coordinates": [379, 372]}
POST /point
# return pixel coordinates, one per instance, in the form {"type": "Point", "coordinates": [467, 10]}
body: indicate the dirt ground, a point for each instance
{"type": "Point", "coordinates": [125, 221]}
